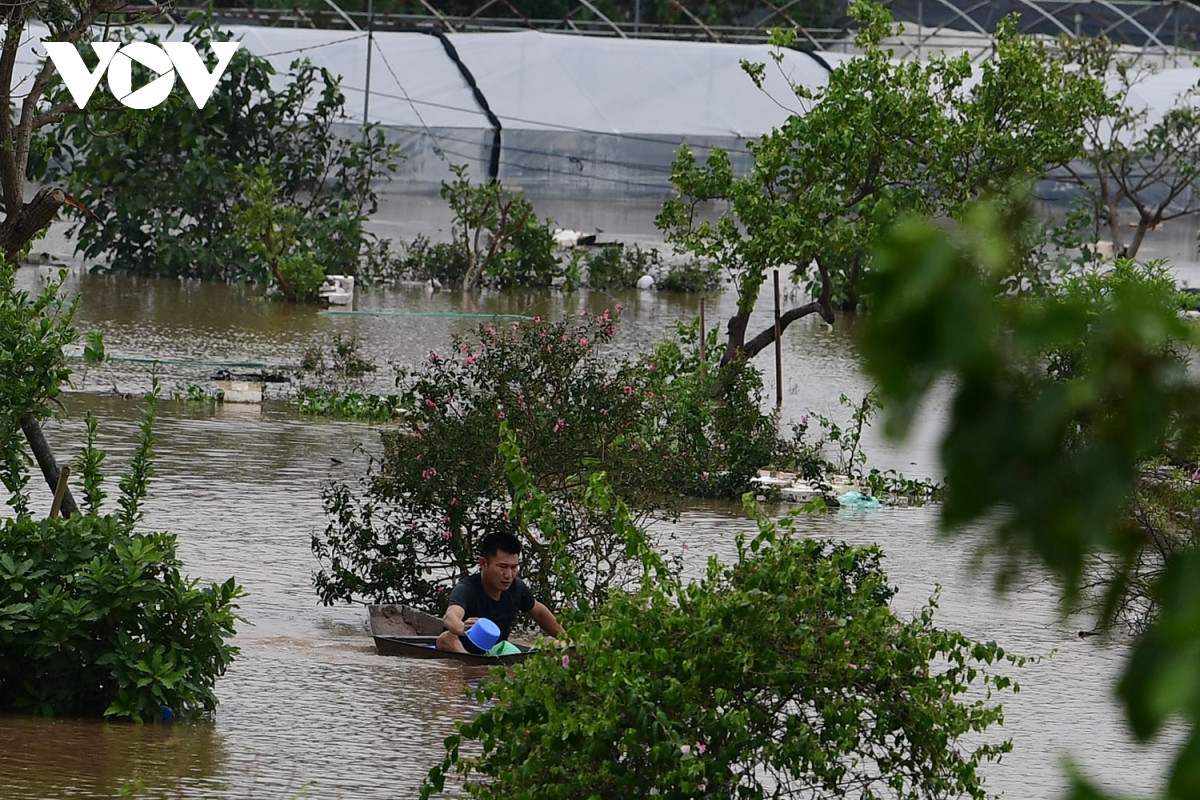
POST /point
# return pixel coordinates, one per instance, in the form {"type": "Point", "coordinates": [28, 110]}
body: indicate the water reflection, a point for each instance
{"type": "Point", "coordinates": [91, 759]}
{"type": "Point", "coordinates": [308, 707]}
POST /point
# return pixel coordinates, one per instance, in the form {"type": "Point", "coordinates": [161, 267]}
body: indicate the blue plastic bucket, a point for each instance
{"type": "Point", "coordinates": [484, 634]}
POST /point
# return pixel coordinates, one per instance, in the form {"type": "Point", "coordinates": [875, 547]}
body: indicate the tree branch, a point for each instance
{"type": "Point", "coordinates": [765, 338]}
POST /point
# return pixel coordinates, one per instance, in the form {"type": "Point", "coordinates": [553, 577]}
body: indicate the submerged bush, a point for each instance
{"type": "Point", "coordinates": [97, 620]}
{"type": "Point", "coordinates": [784, 674]}
{"type": "Point", "coordinates": [409, 530]}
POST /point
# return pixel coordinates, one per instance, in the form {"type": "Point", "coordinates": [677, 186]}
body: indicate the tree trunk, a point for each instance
{"type": "Point", "coordinates": [18, 229]}
{"type": "Point", "coordinates": [45, 459]}
{"type": "Point", "coordinates": [15, 232]}
{"type": "Point", "coordinates": [736, 340]}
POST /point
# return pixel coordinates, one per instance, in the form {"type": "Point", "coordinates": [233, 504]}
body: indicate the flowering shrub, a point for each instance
{"type": "Point", "coordinates": [410, 528]}
{"type": "Point", "coordinates": [784, 674]}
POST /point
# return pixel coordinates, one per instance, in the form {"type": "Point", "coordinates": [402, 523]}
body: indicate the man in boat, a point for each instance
{"type": "Point", "coordinates": [495, 593]}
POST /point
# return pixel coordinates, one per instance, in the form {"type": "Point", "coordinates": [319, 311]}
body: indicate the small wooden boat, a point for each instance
{"type": "Point", "coordinates": [426, 647]}
{"type": "Point", "coordinates": [406, 632]}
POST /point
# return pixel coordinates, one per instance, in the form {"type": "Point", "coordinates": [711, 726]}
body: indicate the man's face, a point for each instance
{"type": "Point", "coordinates": [499, 571]}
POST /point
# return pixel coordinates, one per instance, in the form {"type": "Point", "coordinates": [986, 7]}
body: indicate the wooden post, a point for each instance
{"type": "Point", "coordinates": [60, 490]}
{"type": "Point", "coordinates": [778, 350]}
{"type": "Point", "coordinates": [45, 459]}
{"type": "Point", "coordinates": [702, 336]}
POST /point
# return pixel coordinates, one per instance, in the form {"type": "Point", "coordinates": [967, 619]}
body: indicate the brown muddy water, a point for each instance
{"type": "Point", "coordinates": [308, 710]}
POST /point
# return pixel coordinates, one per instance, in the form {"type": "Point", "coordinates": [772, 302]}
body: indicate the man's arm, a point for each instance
{"type": "Point", "coordinates": [545, 618]}
{"type": "Point", "coordinates": [454, 622]}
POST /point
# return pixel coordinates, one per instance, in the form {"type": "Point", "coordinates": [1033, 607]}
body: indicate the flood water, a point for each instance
{"type": "Point", "coordinates": [308, 710]}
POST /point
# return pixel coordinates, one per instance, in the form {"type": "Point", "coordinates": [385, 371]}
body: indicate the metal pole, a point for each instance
{"type": "Point", "coordinates": [1175, 48]}
{"type": "Point", "coordinates": [920, 26]}
{"type": "Point", "coordinates": [370, 47]}
{"type": "Point", "coordinates": [702, 337]}
{"type": "Point", "coordinates": [637, 17]}
{"type": "Point", "coordinates": [778, 350]}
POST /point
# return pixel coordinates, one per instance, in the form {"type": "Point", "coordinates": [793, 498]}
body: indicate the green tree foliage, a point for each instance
{"type": "Point", "coordinates": [278, 236]}
{"type": "Point", "coordinates": [36, 107]}
{"type": "Point", "coordinates": [168, 205]}
{"type": "Point", "coordinates": [1060, 453]}
{"type": "Point", "coordinates": [784, 674]}
{"type": "Point", "coordinates": [33, 333]}
{"type": "Point", "coordinates": [880, 139]}
{"type": "Point", "coordinates": [498, 230]}
{"type": "Point", "coordinates": [411, 529]}
{"type": "Point", "coordinates": [97, 620]}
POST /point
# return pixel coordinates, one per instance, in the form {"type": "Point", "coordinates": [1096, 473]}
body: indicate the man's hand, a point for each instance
{"type": "Point", "coordinates": [454, 622]}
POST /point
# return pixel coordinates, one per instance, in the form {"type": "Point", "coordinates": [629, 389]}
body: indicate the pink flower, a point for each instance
{"type": "Point", "coordinates": [687, 546]}
{"type": "Point", "coordinates": [701, 748]}
{"type": "Point", "coordinates": [628, 389]}
{"type": "Point", "coordinates": [429, 403]}
{"type": "Point", "coordinates": [446, 534]}
{"type": "Point", "coordinates": [469, 360]}
{"type": "Point", "coordinates": [612, 330]}
{"type": "Point", "coordinates": [603, 412]}
{"type": "Point", "coordinates": [619, 308]}
{"type": "Point", "coordinates": [429, 473]}
{"type": "Point", "coordinates": [558, 426]}
{"type": "Point", "coordinates": [491, 331]}
{"type": "Point", "coordinates": [566, 661]}
{"type": "Point", "coordinates": [500, 415]}
{"type": "Point", "coordinates": [583, 342]}
{"type": "Point", "coordinates": [434, 357]}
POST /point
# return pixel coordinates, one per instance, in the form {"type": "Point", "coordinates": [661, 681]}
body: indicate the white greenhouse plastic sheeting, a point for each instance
{"type": "Point", "coordinates": [578, 115]}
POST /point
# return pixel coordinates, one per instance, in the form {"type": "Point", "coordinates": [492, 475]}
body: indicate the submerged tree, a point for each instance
{"type": "Point", "coordinates": [880, 139]}
{"type": "Point", "coordinates": [1139, 167]}
{"type": "Point", "coordinates": [187, 225]}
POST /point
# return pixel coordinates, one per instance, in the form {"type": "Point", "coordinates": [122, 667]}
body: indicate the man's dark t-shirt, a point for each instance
{"type": "Point", "coordinates": [475, 602]}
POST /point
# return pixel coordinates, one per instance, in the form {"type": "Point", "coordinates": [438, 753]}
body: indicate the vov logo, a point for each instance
{"type": "Point", "coordinates": [167, 60]}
